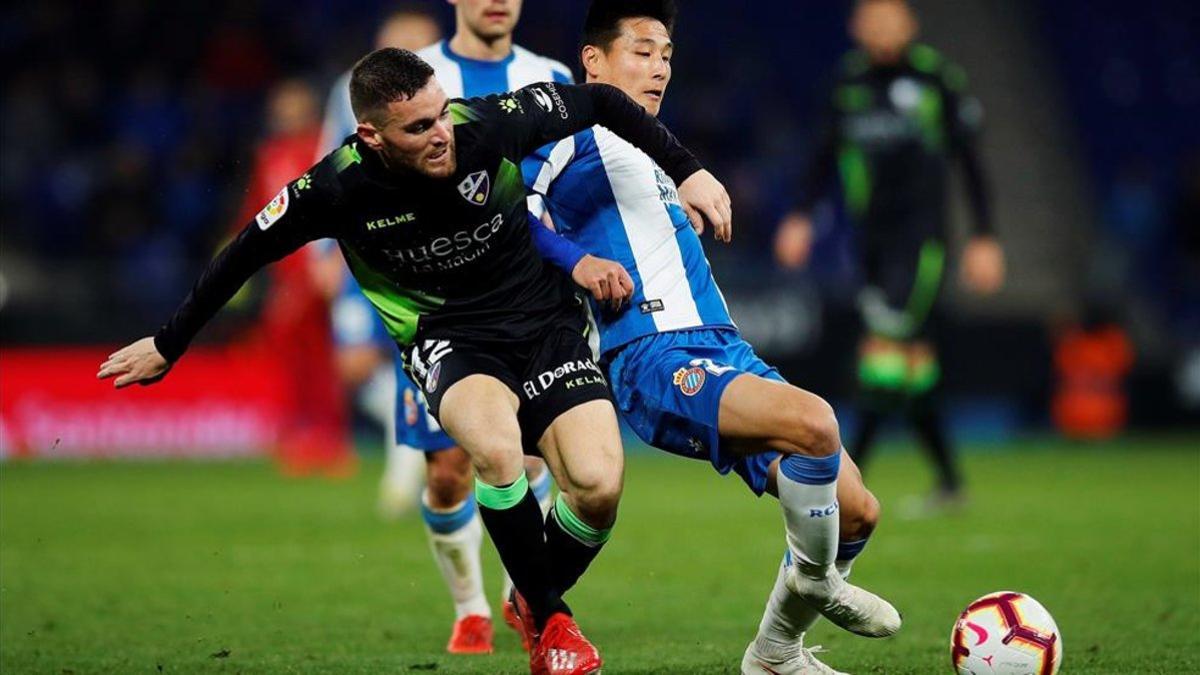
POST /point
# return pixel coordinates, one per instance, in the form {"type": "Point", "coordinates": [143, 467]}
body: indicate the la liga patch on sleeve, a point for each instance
{"type": "Point", "coordinates": [274, 210]}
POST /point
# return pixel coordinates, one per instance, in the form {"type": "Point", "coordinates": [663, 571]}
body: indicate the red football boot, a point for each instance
{"type": "Point", "coordinates": [561, 649]}
{"type": "Point", "coordinates": [522, 619]}
{"type": "Point", "coordinates": [472, 635]}
{"type": "Point", "coordinates": [513, 619]}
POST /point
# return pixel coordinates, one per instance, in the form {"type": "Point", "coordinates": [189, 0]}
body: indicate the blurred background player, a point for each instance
{"type": "Point", "coordinates": [295, 316]}
{"type": "Point", "coordinates": [898, 118]}
{"type": "Point", "coordinates": [479, 59]}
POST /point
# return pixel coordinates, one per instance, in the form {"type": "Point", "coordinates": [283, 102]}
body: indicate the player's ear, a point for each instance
{"type": "Point", "coordinates": [592, 58]}
{"type": "Point", "coordinates": [369, 135]}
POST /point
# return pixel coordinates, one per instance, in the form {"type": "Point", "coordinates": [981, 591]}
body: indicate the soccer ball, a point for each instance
{"type": "Point", "coordinates": [1005, 633]}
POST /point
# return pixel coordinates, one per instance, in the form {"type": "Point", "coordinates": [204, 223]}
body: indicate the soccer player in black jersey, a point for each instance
{"type": "Point", "coordinates": [898, 119]}
{"type": "Point", "coordinates": [427, 204]}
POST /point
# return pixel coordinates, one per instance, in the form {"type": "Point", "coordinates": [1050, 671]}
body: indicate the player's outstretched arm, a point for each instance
{"type": "Point", "coordinates": [606, 280]}
{"type": "Point", "coordinates": [138, 363]}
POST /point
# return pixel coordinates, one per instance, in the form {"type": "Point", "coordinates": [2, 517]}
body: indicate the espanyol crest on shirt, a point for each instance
{"type": "Point", "coordinates": [475, 187]}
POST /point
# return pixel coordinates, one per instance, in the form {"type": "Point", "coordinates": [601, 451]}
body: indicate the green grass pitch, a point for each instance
{"type": "Point", "coordinates": [224, 567]}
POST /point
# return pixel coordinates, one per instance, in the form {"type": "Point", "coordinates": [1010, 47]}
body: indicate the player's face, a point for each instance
{"type": "Point", "coordinates": [884, 29]}
{"type": "Point", "coordinates": [408, 31]}
{"type": "Point", "coordinates": [489, 19]}
{"type": "Point", "coordinates": [638, 62]}
{"type": "Point", "coordinates": [415, 134]}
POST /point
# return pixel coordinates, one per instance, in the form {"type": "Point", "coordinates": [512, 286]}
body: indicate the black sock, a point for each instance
{"type": "Point", "coordinates": [864, 439]}
{"type": "Point", "coordinates": [518, 532]}
{"type": "Point", "coordinates": [569, 556]}
{"type": "Point", "coordinates": [928, 424]}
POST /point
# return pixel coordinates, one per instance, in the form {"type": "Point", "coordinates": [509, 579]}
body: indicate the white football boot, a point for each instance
{"type": "Point", "coordinates": [756, 662]}
{"type": "Point", "coordinates": [844, 604]}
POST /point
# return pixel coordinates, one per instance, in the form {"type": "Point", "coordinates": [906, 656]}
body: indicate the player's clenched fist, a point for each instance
{"type": "Point", "coordinates": [139, 362]}
{"type": "Point", "coordinates": [704, 198]}
{"type": "Point", "coordinates": [607, 280]}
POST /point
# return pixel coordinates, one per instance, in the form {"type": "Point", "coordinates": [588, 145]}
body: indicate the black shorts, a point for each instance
{"type": "Point", "coordinates": [550, 374]}
{"type": "Point", "coordinates": [903, 282]}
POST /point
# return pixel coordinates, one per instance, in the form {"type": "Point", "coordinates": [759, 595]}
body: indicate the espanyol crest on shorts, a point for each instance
{"type": "Point", "coordinates": [475, 187]}
{"type": "Point", "coordinates": [689, 380]}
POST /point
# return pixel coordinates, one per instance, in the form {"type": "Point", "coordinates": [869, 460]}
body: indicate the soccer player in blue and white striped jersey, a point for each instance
{"type": "Point", "coordinates": [479, 59]}
{"type": "Point", "coordinates": [681, 374]}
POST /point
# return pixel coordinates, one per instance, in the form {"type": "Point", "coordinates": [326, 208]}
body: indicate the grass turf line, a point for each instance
{"type": "Point", "coordinates": [224, 567]}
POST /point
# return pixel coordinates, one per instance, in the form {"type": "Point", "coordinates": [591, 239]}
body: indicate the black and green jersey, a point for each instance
{"type": "Point", "coordinates": [438, 258]}
{"type": "Point", "coordinates": [891, 134]}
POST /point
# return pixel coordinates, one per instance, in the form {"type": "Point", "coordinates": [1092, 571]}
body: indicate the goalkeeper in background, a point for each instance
{"type": "Point", "coordinates": [898, 118]}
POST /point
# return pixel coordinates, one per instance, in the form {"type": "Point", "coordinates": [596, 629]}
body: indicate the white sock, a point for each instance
{"type": "Point", "coordinates": [542, 488]}
{"type": "Point", "coordinates": [455, 537]}
{"type": "Point", "coordinates": [808, 495]}
{"type": "Point", "coordinates": [784, 621]}
{"type": "Point", "coordinates": [787, 618]}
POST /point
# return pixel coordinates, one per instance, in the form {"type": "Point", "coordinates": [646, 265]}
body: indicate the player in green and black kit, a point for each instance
{"type": "Point", "coordinates": [427, 203]}
{"type": "Point", "coordinates": [899, 118]}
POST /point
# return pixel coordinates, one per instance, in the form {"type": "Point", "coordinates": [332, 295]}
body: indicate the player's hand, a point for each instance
{"type": "Point", "coordinates": [607, 280]}
{"type": "Point", "coordinates": [983, 265]}
{"type": "Point", "coordinates": [140, 362]}
{"type": "Point", "coordinates": [705, 199]}
{"type": "Point", "coordinates": [794, 240]}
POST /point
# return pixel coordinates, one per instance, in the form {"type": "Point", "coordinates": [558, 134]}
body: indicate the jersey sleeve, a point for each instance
{"type": "Point", "coordinates": [541, 168]}
{"type": "Point", "coordinates": [817, 179]}
{"type": "Point", "coordinates": [301, 212]}
{"type": "Point", "coordinates": [540, 113]}
{"type": "Point", "coordinates": [964, 124]}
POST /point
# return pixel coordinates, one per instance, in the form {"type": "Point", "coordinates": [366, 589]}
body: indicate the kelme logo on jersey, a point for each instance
{"type": "Point", "coordinates": [689, 380]}
{"type": "Point", "coordinates": [273, 211]}
{"type": "Point", "coordinates": [475, 188]}
{"type": "Point", "coordinates": [510, 105]}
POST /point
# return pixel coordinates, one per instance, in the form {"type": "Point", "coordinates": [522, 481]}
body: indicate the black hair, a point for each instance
{"type": "Point", "coordinates": [386, 75]}
{"type": "Point", "coordinates": [603, 22]}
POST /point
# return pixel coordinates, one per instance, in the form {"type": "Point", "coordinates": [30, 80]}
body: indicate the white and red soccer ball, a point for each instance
{"type": "Point", "coordinates": [1005, 633]}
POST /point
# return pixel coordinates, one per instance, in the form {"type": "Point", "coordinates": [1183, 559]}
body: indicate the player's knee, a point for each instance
{"type": "Point", "coordinates": [448, 478]}
{"type": "Point", "coordinates": [597, 499]}
{"type": "Point", "coordinates": [813, 425]}
{"type": "Point", "coordinates": [859, 521]}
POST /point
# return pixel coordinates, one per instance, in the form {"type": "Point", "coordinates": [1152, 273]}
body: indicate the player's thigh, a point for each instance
{"type": "Point", "coordinates": [757, 413]}
{"type": "Point", "coordinates": [480, 412]}
{"type": "Point", "coordinates": [582, 447]}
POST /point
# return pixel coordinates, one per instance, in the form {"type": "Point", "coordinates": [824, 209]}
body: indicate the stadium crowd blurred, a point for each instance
{"type": "Point", "coordinates": [129, 128]}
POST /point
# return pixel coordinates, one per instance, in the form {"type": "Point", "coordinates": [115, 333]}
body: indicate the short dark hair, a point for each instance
{"type": "Point", "coordinates": [603, 22]}
{"type": "Point", "coordinates": [386, 75]}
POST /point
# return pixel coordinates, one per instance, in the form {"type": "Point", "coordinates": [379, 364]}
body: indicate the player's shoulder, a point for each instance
{"type": "Point", "coordinates": [334, 174]}
{"type": "Point", "coordinates": [926, 59]}
{"type": "Point", "coordinates": [433, 52]}
{"type": "Point", "coordinates": [541, 67]}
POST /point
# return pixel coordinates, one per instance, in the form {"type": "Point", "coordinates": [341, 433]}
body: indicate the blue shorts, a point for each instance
{"type": "Point", "coordinates": [355, 321]}
{"type": "Point", "coordinates": [415, 427]}
{"type": "Point", "coordinates": [668, 388]}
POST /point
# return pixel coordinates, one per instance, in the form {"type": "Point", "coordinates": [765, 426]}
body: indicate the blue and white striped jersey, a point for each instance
{"type": "Point", "coordinates": [459, 76]}
{"type": "Point", "coordinates": [614, 202]}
